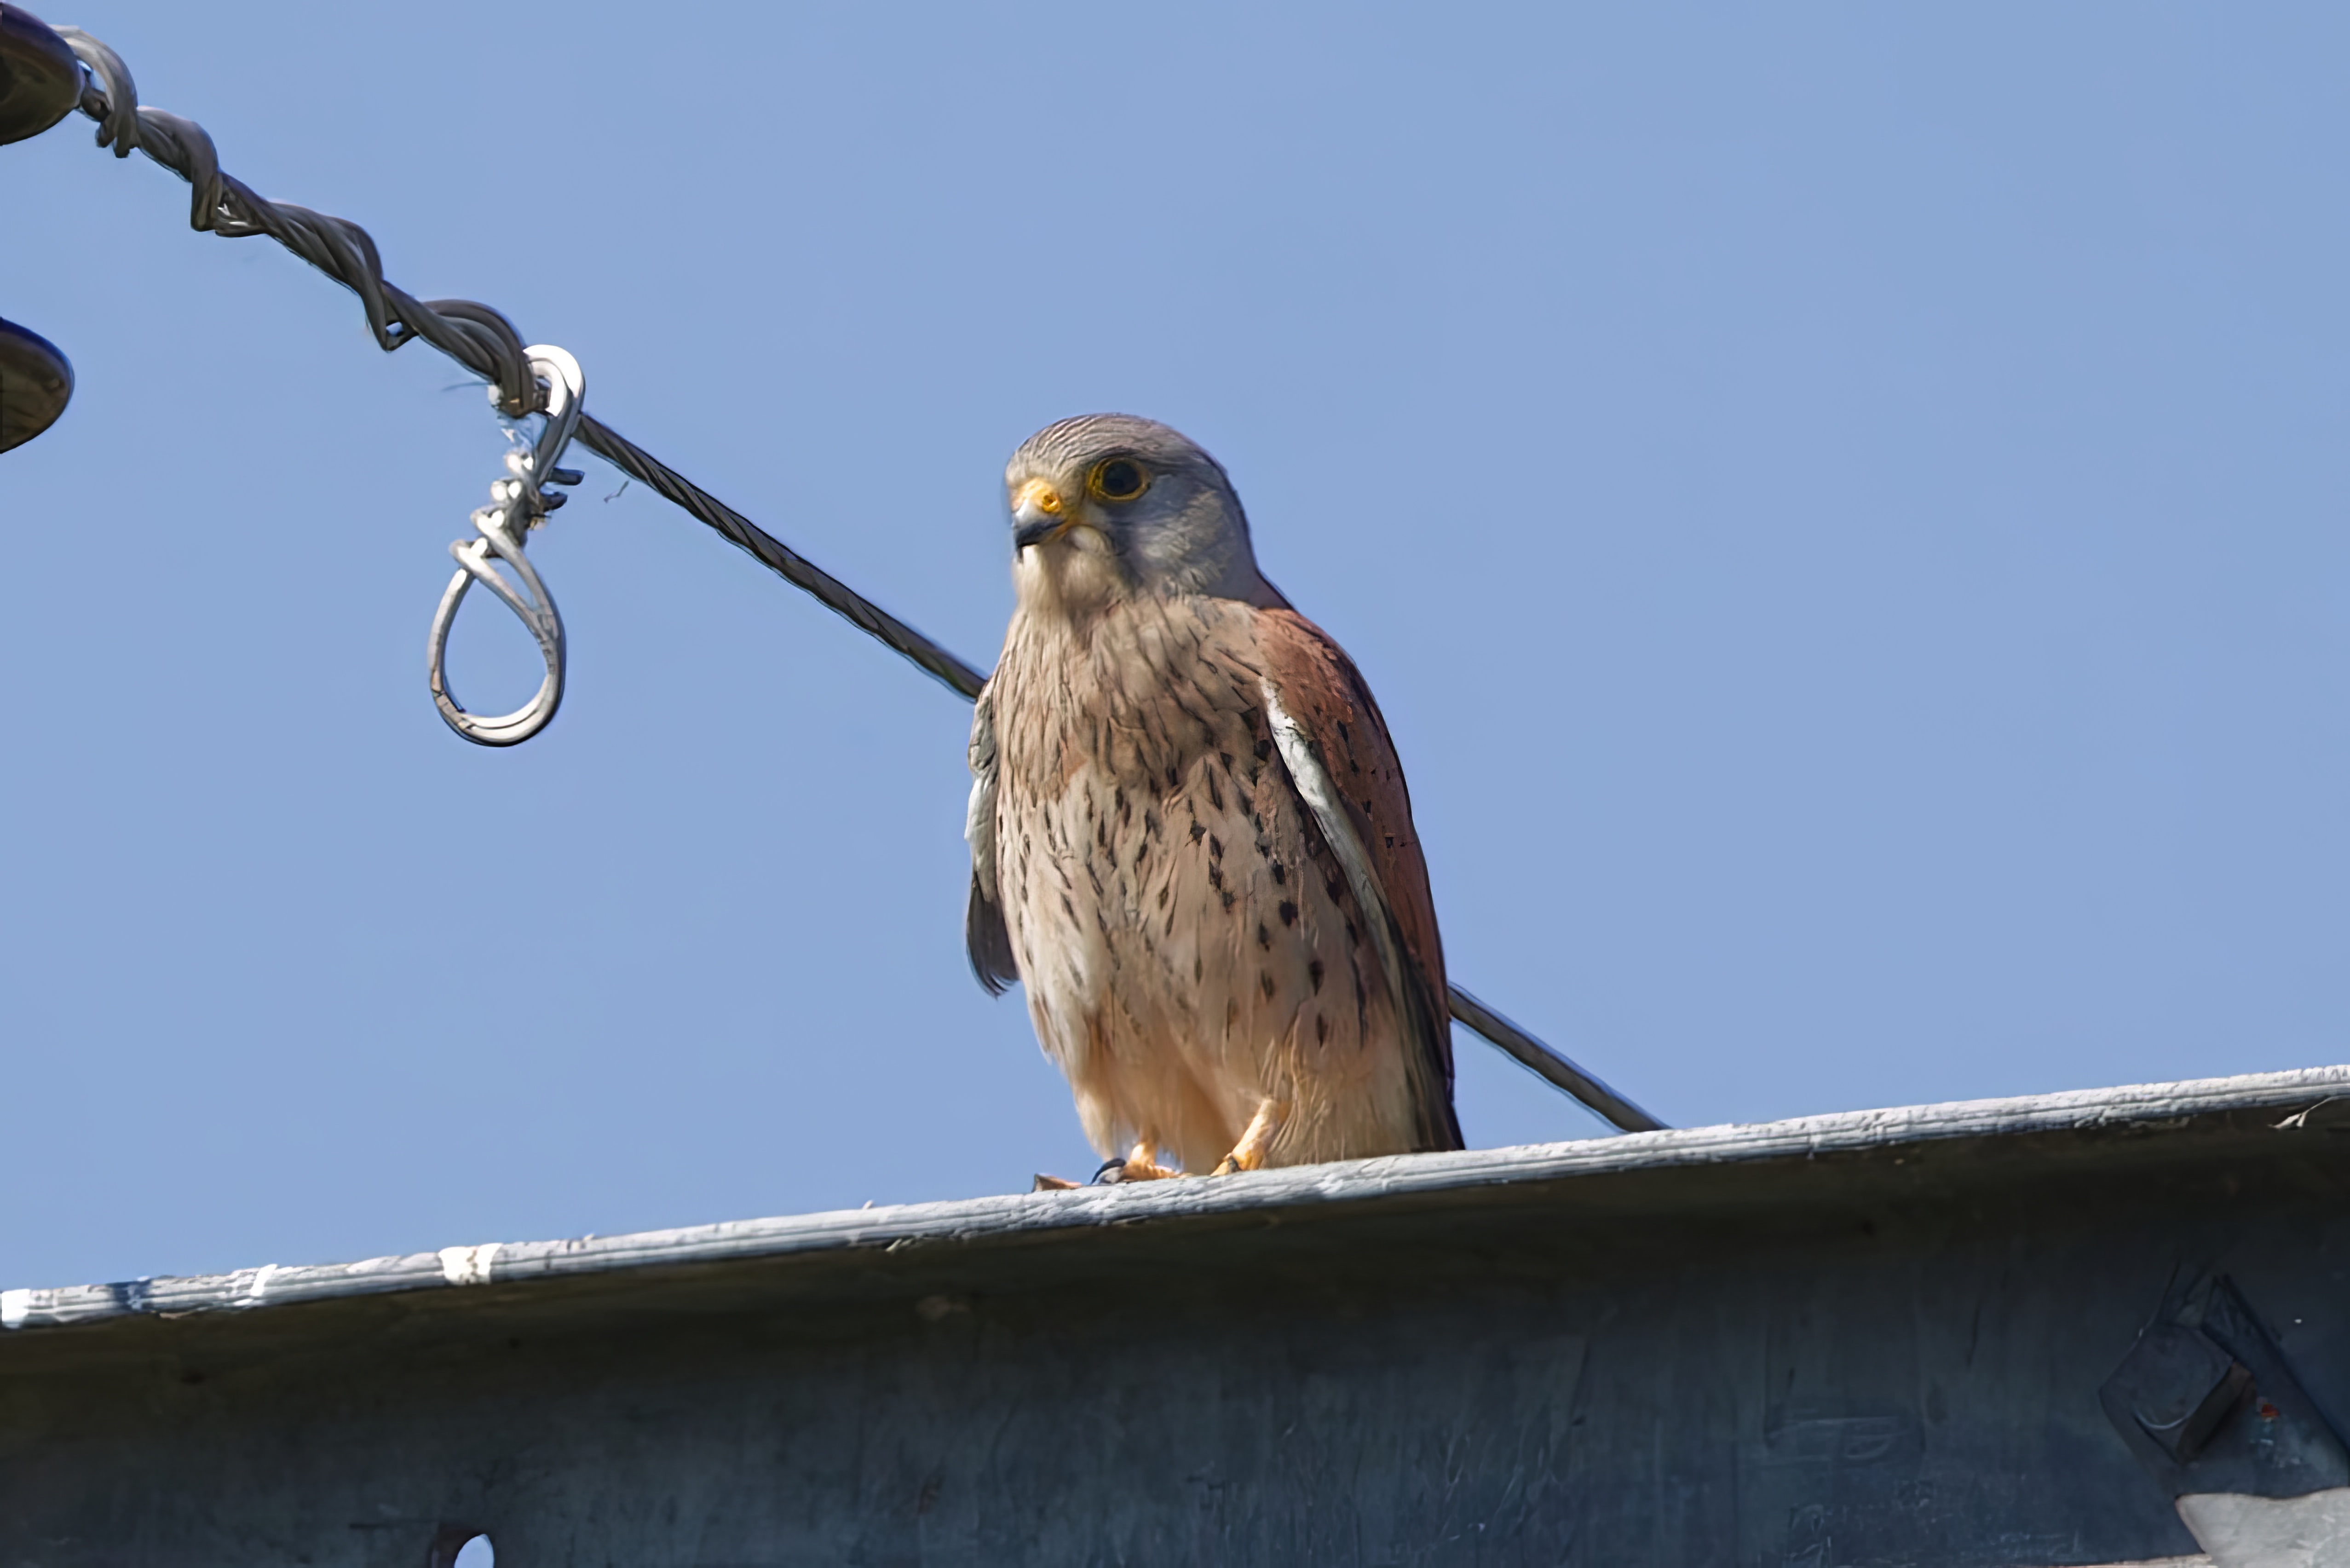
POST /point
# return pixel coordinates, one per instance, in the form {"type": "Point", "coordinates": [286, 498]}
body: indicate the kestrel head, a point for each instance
{"type": "Point", "coordinates": [1107, 506]}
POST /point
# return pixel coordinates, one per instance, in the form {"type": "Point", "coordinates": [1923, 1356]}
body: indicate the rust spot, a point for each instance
{"type": "Point", "coordinates": [2269, 1412]}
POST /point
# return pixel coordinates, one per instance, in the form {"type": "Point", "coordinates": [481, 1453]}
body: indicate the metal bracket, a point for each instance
{"type": "Point", "coordinates": [2206, 1401]}
{"type": "Point", "coordinates": [40, 82]}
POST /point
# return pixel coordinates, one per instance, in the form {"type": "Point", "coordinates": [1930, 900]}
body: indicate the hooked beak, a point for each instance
{"type": "Point", "coordinates": [1039, 515]}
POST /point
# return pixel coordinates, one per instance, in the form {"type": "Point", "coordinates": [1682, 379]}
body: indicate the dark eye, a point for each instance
{"type": "Point", "coordinates": [1119, 479]}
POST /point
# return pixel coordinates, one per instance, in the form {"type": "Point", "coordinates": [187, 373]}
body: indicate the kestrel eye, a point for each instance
{"type": "Point", "coordinates": [1119, 479]}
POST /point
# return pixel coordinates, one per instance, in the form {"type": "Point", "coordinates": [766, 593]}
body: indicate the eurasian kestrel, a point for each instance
{"type": "Point", "coordinates": [1189, 835]}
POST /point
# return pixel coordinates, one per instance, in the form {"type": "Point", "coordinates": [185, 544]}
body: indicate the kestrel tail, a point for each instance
{"type": "Point", "coordinates": [1190, 840]}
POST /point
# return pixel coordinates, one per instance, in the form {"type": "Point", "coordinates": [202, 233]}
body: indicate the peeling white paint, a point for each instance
{"type": "Point", "coordinates": [2243, 1531]}
{"type": "Point", "coordinates": [14, 1307]}
{"type": "Point", "coordinates": [468, 1265]}
{"type": "Point", "coordinates": [257, 1289]}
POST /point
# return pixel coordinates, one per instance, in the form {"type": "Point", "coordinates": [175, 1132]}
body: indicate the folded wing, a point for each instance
{"type": "Point", "coordinates": [984, 935]}
{"type": "Point", "coordinates": [1332, 740]}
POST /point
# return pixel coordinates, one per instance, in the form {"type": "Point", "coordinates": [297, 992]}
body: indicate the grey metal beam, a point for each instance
{"type": "Point", "coordinates": [975, 1222]}
{"type": "Point", "coordinates": [1873, 1337]}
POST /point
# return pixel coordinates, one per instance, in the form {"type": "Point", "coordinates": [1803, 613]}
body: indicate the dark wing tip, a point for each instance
{"type": "Point", "coordinates": [1431, 1022]}
{"type": "Point", "coordinates": [989, 941]}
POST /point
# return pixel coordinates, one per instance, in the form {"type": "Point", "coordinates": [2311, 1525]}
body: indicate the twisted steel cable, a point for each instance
{"type": "Point", "coordinates": [473, 334]}
{"type": "Point", "coordinates": [485, 343]}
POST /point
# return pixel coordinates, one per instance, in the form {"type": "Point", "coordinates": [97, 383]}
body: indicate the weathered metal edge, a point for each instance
{"type": "Point", "coordinates": [2149, 1105]}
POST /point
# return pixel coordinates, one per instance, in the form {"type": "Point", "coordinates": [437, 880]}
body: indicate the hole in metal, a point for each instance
{"type": "Point", "coordinates": [460, 1546]}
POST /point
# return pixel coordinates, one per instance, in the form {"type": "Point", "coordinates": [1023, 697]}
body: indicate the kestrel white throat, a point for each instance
{"type": "Point", "coordinates": [1190, 840]}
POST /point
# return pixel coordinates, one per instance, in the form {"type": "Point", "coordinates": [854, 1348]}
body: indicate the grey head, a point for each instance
{"type": "Point", "coordinates": [1111, 505]}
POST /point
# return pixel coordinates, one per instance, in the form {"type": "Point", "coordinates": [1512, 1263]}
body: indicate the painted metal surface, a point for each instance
{"type": "Point", "coordinates": [36, 384]}
{"type": "Point", "coordinates": [2219, 1419]}
{"type": "Point", "coordinates": [1871, 1338]}
{"type": "Point", "coordinates": [40, 81]}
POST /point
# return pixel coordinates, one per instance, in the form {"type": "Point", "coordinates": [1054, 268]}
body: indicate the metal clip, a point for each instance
{"type": "Point", "coordinates": [518, 504]}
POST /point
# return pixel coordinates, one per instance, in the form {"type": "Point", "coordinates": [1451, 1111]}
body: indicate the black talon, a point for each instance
{"type": "Point", "coordinates": [1111, 1173]}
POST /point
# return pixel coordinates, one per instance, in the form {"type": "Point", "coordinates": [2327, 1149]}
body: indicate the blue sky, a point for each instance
{"type": "Point", "coordinates": [1841, 505]}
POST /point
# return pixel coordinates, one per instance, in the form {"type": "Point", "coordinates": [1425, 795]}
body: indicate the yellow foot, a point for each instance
{"type": "Point", "coordinates": [1142, 1164]}
{"type": "Point", "coordinates": [1255, 1144]}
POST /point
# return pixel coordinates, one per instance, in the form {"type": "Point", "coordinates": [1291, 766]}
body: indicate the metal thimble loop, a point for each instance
{"type": "Point", "coordinates": [518, 502]}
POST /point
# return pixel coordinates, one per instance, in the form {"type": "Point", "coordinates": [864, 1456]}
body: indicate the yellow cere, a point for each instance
{"type": "Point", "coordinates": [1040, 494]}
